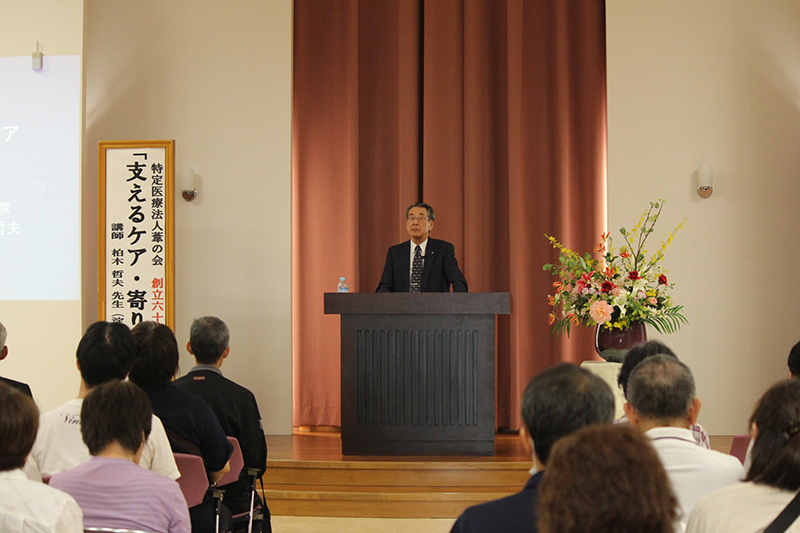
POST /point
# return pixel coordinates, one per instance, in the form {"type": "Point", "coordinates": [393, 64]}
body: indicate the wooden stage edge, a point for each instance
{"type": "Point", "coordinates": [307, 475]}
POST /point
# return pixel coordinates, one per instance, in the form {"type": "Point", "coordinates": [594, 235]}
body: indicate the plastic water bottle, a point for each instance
{"type": "Point", "coordinates": [342, 286]}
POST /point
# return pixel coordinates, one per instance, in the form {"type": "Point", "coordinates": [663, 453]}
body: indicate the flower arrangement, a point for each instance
{"type": "Point", "coordinates": [615, 288]}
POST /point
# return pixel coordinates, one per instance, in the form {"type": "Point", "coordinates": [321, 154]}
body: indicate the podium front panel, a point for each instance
{"type": "Point", "coordinates": [418, 384]}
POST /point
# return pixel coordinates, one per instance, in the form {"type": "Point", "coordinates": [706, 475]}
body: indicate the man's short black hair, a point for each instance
{"type": "Point", "coordinates": [636, 355]}
{"type": "Point", "coordinates": [424, 206]}
{"type": "Point", "coordinates": [661, 388]}
{"type": "Point", "coordinates": [117, 411]}
{"type": "Point", "coordinates": [105, 352]}
{"type": "Point", "coordinates": [209, 338]}
{"type": "Point", "coordinates": [19, 422]}
{"type": "Point", "coordinates": [561, 400]}
{"type": "Point", "coordinates": [794, 361]}
{"type": "Point", "coordinates": [156, 355]}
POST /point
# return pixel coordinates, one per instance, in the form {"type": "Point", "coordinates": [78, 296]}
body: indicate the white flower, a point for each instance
{"type": "Point", "coordinates": [639, 285]}
{"type": "Point", "coordinates": [620, 301]}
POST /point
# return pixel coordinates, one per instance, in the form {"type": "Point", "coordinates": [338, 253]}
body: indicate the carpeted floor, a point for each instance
{"type": "Point", "coordinates": [313, 524]}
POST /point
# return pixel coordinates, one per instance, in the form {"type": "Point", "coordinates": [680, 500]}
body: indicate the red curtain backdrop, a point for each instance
{"type": "Point", "coordinates": [492, 111]}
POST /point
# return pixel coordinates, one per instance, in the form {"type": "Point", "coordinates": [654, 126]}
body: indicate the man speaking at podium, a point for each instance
{"type": "Point", "coordinates": [421, 264]}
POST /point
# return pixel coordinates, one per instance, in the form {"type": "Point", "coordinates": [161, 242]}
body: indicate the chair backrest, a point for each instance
{"type": "Point", "coordinates": [739, 447]}
{"type": "Point", "coordinates": [112, 530]}
{"type": "Point", "coordinates": [237, 463]}
{"type": "Point", "coordinates": [193, 480]}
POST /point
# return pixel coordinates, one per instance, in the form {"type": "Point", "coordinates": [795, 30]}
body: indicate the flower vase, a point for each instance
{"type": "Point", "coordinates": [611, 344]}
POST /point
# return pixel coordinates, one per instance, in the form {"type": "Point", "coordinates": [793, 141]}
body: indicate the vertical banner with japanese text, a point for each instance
{"type": "Point", "coordinates": [136, 234]}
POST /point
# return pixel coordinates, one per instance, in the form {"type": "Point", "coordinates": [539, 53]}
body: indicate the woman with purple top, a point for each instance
{"type": "Point", "coordinates": [112, 490]}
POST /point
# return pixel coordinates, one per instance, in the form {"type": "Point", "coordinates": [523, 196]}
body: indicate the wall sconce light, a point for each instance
{"type": "Point", "coordinates": [37, 58]}
{"type": "Point", "coordinates": [189, 185]}
{"type": "Point", "coordinates": [705, 181]}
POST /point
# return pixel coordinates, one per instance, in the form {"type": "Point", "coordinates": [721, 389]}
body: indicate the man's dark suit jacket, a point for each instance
{"type": "Point", "coordinates": [237, 412]}
{"type": "Point", "coordinates": [513, 514]}
{"type": "Point", "coordinates": [22, 387]}
{"type": "Point", "coordinates": [440, 269]}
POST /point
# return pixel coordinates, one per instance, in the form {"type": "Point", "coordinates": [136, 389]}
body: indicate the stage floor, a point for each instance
{"type": "Point", "coordinates": [307, 475]}
{"type": "Point", "coordinates": [327, 446]}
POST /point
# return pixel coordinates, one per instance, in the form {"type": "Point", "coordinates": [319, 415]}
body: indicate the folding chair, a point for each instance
{"type": "Point", "coordinates": [194, 481]}
{"type": "Point", "coordinates": [237, 466]}
{"type": "Point", "coordinates": [112, 530]}
{"type": "Point", "coordinates": [739, 447]}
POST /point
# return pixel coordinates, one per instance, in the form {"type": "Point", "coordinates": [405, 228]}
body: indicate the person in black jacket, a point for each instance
{"type": "Point", "coordinates": [235, 406]}
{"type": "Point", "coordinates": [421, 264]}
{"type": "Point", "coordinates": [556, 403]}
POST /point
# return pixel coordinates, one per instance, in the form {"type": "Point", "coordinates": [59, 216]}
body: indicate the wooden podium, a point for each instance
{"type": "Point", "coordinates": [418, 372]}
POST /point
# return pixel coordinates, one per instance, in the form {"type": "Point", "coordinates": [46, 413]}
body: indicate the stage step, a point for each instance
{"type": "Point", "coordinates": [386, 488]}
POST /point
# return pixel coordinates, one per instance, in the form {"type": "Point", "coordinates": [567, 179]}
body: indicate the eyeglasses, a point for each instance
{"type": "Point", "coordinates": [418, 219]}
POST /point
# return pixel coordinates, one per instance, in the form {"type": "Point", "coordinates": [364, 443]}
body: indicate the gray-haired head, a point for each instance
{"type": "Point", "coordinates": [3, 335]}
{"type": "Point", "coordinates": [209, 337]}
{"type": "Point", "coordinates": [423, 205]}
{"type": "Point", "coordinates": [661, 389]}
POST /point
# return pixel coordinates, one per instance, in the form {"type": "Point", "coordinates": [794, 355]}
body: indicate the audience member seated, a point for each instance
{"type": "Point", "coordinates": [636, 355]}
{"type": "Point", "coordinates": [794, 360]}
{"type": "Point", "coordinates": [606, 479]}
{"type": "Point", "coordinates": [22, 387]}
{"type": "Point", "coordinates": [189, 422]}
{"type": "Point", "coordinates": [794, 373]}
{"type": "Point", "coordinates": [112, 490]}
{"type": "Point", "coordinates": [774, 476]}
{"type": "Point", "coordinates": [235, 408]}
{"type": "Point", "coordinates": [556, 403]}
{"type": "Point", "coordinates": [105, 353]}
{"type": "Point", "coordinates": [662, 404]}
{"type": "Point", "coordinates": [25, 505]}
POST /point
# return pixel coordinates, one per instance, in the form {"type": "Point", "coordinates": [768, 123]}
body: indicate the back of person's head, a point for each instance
{"type": "Point", "coordinates": [3, 336]}
{"type": "Point", "coordinates": [776, 450]}
{"type": "Point", "coordinates": [636, 355]}
{"type": "Point", "coordinates": [19, 422]}
{"type": "Point", "coordinates": [661, 389]}
{"type": "Point", "coordinates": [561, 400]}
{"type": "Point", "coordinates": [105, 353]}
{"type": "Point", "coordinates": [156, 355]}
{"type": "Point", "coordinates": [209, 337]}
{"type": "Point", "coordinates": [117, 411]}
{"type": "Point", "coordinates": [606, 479]}
{"type": "Point", "coordinates": [794, 359]}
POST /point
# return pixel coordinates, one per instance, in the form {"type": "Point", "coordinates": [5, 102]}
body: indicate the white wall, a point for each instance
{"type": "Point", "coordinates": [715, 81]}
{"type": "Point", "coordinates": [216, 77]}
{"type": "Point", "coordinates": [42, 335]}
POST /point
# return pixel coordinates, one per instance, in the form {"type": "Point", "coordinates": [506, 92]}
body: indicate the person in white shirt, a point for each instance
{"type": "Point", "coordinates": [105, 353]}
{"type": "Point", "coordinates": [773, 479]}
{"type": "Point", "coordinates": [27, 505]}
{"type": "Point", "coordinates": [662, 404]}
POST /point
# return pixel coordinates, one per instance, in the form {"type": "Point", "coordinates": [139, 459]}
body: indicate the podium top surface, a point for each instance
{"type": "Point", "coordinates": [419, 303]}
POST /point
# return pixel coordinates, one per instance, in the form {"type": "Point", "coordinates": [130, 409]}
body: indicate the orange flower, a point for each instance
{"type": "Point", "coordinates": [551, 300]}
{"type": "Point", "coordinates": [604, 236]}
{"type": "Point", "coordinates": [551, 318]}
{"type": "Point", "coordinates": [556, 284]}
{"type": "Point", "coordinates": [599, 248]}
{"type": "Point", "coordinates": [624, 255]}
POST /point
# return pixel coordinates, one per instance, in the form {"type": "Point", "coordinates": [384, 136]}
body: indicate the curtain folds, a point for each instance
{"type": "Point", "coordinates": [492, 111]}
